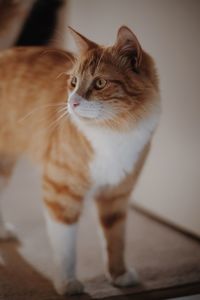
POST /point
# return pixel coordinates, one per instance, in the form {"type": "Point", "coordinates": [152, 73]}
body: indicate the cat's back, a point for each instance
{"type": "Point", "coordinates": [25, 63]}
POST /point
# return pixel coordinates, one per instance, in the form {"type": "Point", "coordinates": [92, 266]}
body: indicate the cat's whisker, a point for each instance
{"type": "Point", "coordinates": [36, 109]}
{"type": "Point", "coordinates": [54, 123]}
{"type": "Point", "coordinates": [52, 117]}
{"type": "Point", "coordinates": [65, 109]}
{"type": "Point", "coordinates": [42, 121]}
{"type": "Point", "coordinates": [68, 56]}
{"type": "Point", "coordinates": [62, 110]}
{"type": "Point", "coordinates": [57, 121]}
{"type": "Point", "coordinates": [100, 59]}
{"type": "Point", "coordinates": [61, 74]}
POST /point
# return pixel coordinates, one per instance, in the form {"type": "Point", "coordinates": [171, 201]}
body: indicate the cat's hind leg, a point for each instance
{"type": "Point", "coordinates": [112, 214]}
{"type": "Point", "coordinates": [6, 168]}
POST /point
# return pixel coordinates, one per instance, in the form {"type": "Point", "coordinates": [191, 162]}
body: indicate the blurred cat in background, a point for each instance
{"type": "Point", "coordinates": [30, 22]}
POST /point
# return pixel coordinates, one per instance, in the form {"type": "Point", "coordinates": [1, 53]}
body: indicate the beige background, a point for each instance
{"type": "Point", "coordinates": [169, 30]}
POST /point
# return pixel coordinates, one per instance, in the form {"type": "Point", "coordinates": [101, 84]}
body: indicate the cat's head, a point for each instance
{"type": "Point", "coordinates": [112, 86]}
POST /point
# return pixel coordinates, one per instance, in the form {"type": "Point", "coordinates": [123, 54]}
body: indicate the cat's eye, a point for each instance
{"type": "Point", "coordinates": [100, 83]}
{"type": "Point", "coordinates": [73, 81]}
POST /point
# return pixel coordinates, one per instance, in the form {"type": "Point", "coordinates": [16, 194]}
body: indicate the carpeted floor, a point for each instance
{"type": "Point", "coordinates": [163, 257]}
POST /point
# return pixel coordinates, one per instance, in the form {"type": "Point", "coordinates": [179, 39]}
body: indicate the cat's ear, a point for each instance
{"type": "Point", "coordinates": [128, 45]}
{"type": "Point", "coordinates": [82, 43]}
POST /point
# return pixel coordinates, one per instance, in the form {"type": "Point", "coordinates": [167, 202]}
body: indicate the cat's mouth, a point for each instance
{"type": "Point", "coordinates": [82, 108]}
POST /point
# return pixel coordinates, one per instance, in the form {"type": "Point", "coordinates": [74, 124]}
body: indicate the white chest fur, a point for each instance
{"type": "Point", "coordinates": [115, 154]}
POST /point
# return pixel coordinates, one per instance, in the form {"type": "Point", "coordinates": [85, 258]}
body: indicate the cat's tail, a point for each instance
{"type": "Point", "coordinates": [28, 22]}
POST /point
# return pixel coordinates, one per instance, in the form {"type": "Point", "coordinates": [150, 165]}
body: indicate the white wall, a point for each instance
{"type": "Point", "coordinates": [169, 30]}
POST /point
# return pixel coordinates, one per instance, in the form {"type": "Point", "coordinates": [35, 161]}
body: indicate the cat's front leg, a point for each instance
{"type": "Point", "coordinates": [112, 215]}
{"type": "Point", "coordinates": [63, 241]}
{"type": "Point", "coordinates": [62, 212]}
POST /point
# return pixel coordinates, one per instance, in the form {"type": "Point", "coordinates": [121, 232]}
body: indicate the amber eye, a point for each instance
{"type": "Point", "coordinates": [73, 81]}
{"type": "Point", "coordinates": [100, 83]}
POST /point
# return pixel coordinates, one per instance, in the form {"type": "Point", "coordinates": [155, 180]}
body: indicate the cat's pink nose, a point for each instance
{"type": "Point", "coordinates": [74, 100]}
{"type": "Point", "coordinates": [75, 103]}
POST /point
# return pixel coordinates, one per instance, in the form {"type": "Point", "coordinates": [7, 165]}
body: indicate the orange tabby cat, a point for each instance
{"type": "Point", "coordinates": [88, 121]}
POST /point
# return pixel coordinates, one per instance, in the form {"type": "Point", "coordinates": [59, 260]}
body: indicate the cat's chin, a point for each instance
{"type": "Point", "coordinates": [86, 118]}
{"type": "Point", "coordinates": [77, 118]}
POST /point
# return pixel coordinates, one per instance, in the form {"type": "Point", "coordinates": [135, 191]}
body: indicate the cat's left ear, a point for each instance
{"type": "Point", "coordinates": [83, 44]}
{"type": "Point", "coordinates": [128, 45]}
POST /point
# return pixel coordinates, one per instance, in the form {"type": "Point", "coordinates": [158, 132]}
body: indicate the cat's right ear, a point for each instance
{"type": "Point", "coordinates": [82, 43]}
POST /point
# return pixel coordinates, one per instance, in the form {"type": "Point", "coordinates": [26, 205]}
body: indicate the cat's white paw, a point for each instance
{"type": "Point", "coordinates": [72, 287]}
{"type": "Point", "coordinates": [129, 278]}
{"type": "Point", "coordinates": [7, 232]}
